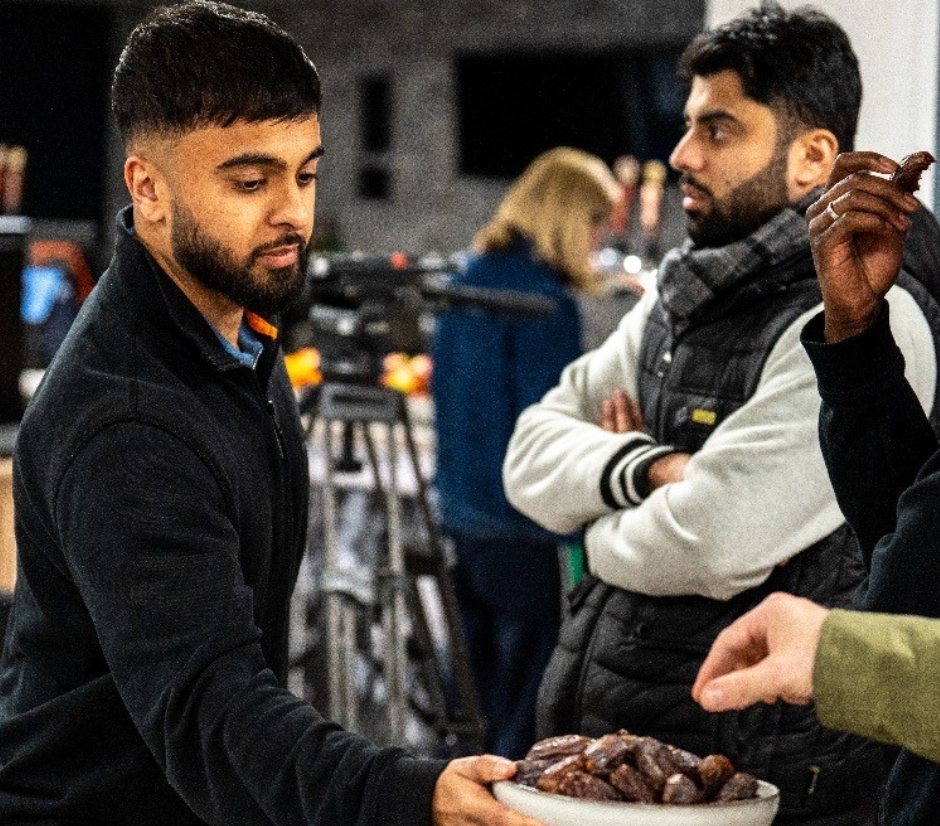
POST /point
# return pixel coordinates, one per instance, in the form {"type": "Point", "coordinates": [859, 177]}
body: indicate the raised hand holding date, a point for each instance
{"type": "Point", "coordinates": [856, 232]}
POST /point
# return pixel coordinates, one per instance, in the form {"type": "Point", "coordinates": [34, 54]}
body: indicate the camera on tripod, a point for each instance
{"type": "Point", "coordinates": [357, 308]}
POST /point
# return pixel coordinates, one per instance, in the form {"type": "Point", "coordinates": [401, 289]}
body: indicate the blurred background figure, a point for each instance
{"type": "Point", "coordinates": [651, 206]}
{"type": "Point", "coordinates": [56, 280]}
{"type": "Point", "coordinates": [487, 368]}
{"type": "Point", "coordinates": [12, 174]}
{"type": "Point", "coordinates": [627, 172]}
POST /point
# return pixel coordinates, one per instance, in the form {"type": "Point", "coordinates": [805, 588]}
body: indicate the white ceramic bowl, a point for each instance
{"type": "Point", "coordinates": [558, 810]}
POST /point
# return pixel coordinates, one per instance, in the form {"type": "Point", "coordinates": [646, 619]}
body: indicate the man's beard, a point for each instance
{"type": "Point", "coordinates": [747, 207]}
{"type": "Point", "coordinates": [216, 267]}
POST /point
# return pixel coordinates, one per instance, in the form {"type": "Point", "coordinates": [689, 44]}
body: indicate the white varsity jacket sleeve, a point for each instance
{"type": "Point", "coordinates": [755, 494]}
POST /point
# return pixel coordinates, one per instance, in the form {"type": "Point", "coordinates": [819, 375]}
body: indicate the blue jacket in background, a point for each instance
{"type": "Point", "coordinates": [488, 367]}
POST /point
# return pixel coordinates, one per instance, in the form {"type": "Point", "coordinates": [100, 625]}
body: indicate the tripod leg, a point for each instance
{"type": "Point", "coordinates": [394, 584]}
{"type": "Point", "coordinates": [401, 612]}
{"type": "Point", "coordinates": [340, 613]}
{"type": "Point", "coordinates": [462, 674]}
{"type": "Point", "coordinates": [430, 674]}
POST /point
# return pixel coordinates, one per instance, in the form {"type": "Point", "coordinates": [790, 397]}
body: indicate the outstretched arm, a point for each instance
{"type": "Point", "coordinates": [764, 656]}
{"type": "Point", "coordinates": [870, 674]}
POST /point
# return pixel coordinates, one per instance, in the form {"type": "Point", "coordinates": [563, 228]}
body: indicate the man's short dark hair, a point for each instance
{"type": "Point", "coordinates": [800, 63]}
{"type": "Point", "coordinates": [203, 63]}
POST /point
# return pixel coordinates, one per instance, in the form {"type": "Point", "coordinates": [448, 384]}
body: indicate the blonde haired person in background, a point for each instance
{"type": "Point", "coordinates": [561, 204]}
{"type": "Point", "coordinates": [487, 368]}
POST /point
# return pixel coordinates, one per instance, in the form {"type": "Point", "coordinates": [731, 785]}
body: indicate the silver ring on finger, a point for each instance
{"type": "Point", "coordinates": [830, 211]}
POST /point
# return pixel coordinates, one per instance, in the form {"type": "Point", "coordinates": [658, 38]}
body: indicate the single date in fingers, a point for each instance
{"type": "Point", "coordinates": [907, 175]}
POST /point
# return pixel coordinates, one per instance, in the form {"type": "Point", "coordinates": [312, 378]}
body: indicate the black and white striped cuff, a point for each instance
{"type": "Point", "coordinates": [623, 481]}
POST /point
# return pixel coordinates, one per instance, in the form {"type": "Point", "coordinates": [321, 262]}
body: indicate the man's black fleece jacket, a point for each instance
{"type": "Point", "coordinates": [884, 463]}
{"type": "Point", "coordinates": [161, 507]}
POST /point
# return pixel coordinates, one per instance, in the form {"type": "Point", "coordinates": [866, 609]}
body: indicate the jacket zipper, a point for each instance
{"type": "Point", "coordinates": [663, 369]}
{"type": "Point", "coordinates": [268, 404]}
{"type": "Point", "coordinates": [279, 436]}
{"type": "Point", "coordinates": [284, 483]}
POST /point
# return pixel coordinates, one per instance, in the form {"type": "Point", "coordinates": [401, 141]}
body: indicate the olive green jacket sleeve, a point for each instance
{"type": "Point", "coordinates": [878, 675]}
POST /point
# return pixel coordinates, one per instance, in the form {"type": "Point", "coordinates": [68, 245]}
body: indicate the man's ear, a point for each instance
{"type": "Point", "coordinates": [812, 155]}
{"type": "Point", "coordinates": [147, 188]}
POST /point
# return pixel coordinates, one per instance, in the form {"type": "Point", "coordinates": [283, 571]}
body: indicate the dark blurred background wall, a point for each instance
{"type": "Point", "coordinates": [430, 107]}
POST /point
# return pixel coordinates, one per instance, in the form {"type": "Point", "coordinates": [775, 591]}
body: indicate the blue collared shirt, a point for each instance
{"type": "Point", "coordinates": [249, 345]}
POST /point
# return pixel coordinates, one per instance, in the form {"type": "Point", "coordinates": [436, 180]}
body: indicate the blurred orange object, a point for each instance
{"type": "Point", "coordinates": [410, 376]}
{"type": "Point", "coordinates": [44, 252]}
{"type": "Point", "coordinates": [393, 361]}
{"type": "Point", "coordinates": [303, 367]}
{"type": "Point", "coordinates": [401, 379]}
{"type": "Point", "coordinates": [421, 366]}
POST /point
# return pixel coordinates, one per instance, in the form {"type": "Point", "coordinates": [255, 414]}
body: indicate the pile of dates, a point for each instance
{"type": "Point", "coordinates": [623, 766]}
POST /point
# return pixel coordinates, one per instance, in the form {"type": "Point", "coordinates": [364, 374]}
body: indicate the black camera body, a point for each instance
{"type": "Point", "coordinates": [357, 308]}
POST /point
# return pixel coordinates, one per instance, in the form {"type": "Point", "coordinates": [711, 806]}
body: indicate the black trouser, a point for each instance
{"type": "Point", "coordinates": [509, 594]}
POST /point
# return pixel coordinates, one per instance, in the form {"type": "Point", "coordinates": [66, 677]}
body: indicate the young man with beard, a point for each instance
{"type": "Point", "coordinates": [161, 484]}
{"type": "Point", "coordinates": [686, 445]}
